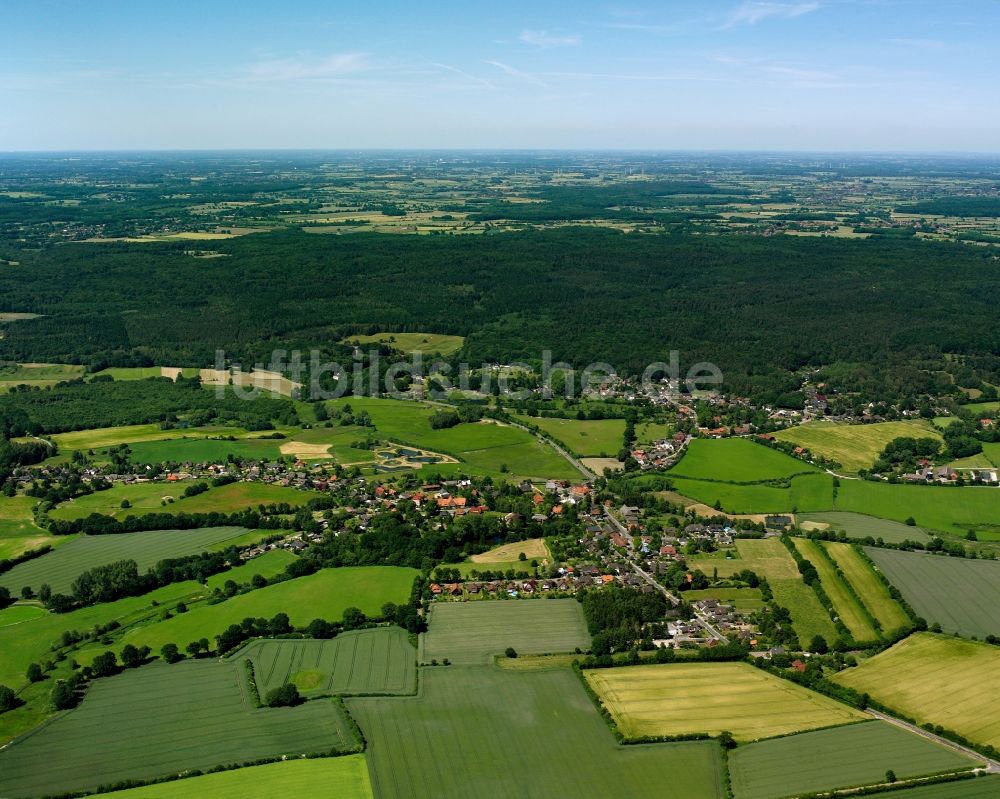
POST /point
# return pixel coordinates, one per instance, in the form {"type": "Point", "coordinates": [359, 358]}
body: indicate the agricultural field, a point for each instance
{"type": "Point", "coordinates": [427, 343]}
{"type": "Point", "coordinates": [472, 632]}
{"type": "Point", "coordinates": [485, 448]}
{"type": "Point", "coordinates": [851, 612]}
{"type": "Point", "coordinates": [26, 638]}
{"type": "Point", "coordinates": [377, 661]}
{"type": "Point", "coordinates": [769, 558]}
{"type": "Point", "coordinates": [204, 450]}
{"type": "Point", "coordinates": [159, 720]}
{"type": "Point", "coordinates": [854, 446]}
{"type": "Point", "coordinates": [154, 497]}
{"type": "Point", "coordinates": [873, 592]}
{"type": "Point", "coordinates": [946, 508]}
{"type": "Point", "coordinates": [736, 460]}
{"type": "Point", "coordinates": [542, 733]}
{"type": "Point", "coordinates": [63, 565]}
{"type": "Point", "coordinates": [595, 437]}
{"type": "Point", "coordinates": [131, 434]}
{"type": "Point", "coordinates": [677, 699]}
{"type": "Point", "coordinates": [506, 557]}
{"type": "Point", "coordinates": [18, 531]}
{"type": "Point", "coordinates": [806, 492]}
{"type": "Point", "coordinates": [961, 595]}
{"type": "Point", "coordinates": [329, 442]}
{"type": "Point", "coordinates": [345, 777]}
{"type": "Point", "coordinates": [325, 594]}
{"type": "Point", "coordinates": [36, 374]}
{"type": "Point", "coordinates": [270, 564]}
{"type": "Point", "coordinates": [936, 679]}
{"type": "Point", "coordinates": [841, 757]}
{"type": "Point", "coordinates": [859, 526]}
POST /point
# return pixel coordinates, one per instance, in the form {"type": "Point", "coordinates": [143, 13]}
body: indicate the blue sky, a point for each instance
{"type": "Point", "coordinates": [897, 75]}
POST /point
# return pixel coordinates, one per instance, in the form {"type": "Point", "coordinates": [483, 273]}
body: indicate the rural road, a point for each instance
{"type": "Point", "coordinates": [992, 766]}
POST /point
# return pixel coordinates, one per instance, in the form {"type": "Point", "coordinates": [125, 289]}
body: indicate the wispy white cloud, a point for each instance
{"type": "Point", "coordinates": [464, 74]}
{"type": "Point", "coordinates": [541, 38]}
{"type": "Point", "coordinates": [752, 12]}
{"type": "Point", "coordinates": [338, 65]}
{"type": "Point", "coordinates": [507, 69]}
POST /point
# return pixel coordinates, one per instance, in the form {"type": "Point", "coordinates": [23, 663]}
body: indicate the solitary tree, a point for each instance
{"type": "Point", "coordinates": [104, 665]}
{"type": "Point", "coordinates": [7, 698]}
{"type": "Point", "coordinates": [34, 673]}
{"type": "Point", "coordinates": [510, 652]}
{"type": "Point", "coordinates": [131, 656]}
{"type": "Point", "coordinates": [819, 645]}
{"type": "Point", "coordinates": [285, 696]}
{"type": "Point", "coordinates": [171, 653]}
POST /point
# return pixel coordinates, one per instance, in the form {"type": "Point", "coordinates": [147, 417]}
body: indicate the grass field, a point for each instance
{"type": "Point", "coordinates": [946, 508]}
{"type": "Point", "coordinates": [851, 612]}
{"type": "Point", "coordinates": [858, 526]}
{"type": "Point", "coordinates": [484, 447]}
{"type": "Point", "coordinates": [344, 777]}
{"type": "Point", "coordinates": [37, 374]}
{"type": "Point", "coordinates": [532, 548]}
{"type": "Point", "coordinates": [377, 661]}
{"type": "Point", "coordinates": [736, 460]}
{"type": "Point", "coordinates": [677, 699]}
{"type": "Point", "coordinates": [854, 446]}
{"type": "Point", "coordinates": [481, 731]}
{"type": "Point", "coordinates": [842, 757]}
{"type": "Point", "coordinates": [439, 343]}
{"type": "Point", "coordinates": [204, 450]}
{"type": "Point", "coordinates": [160, 720]}
{"type": "Point", "coordinates": [63, 565]}
{"type": "Point", "coordinates": [270, 564]}
{"type": "Point", "coordinates": [149, 498]}
{"type": "Point", "coordinates": [130, 434]}
{"type": "Point", "coordinates": [936, 679]}
{"type": "Point", "coordinates": [471, 632]}
{"type": "Point", "coordinates": [595, 437]}
{"type": "Point", "coordinates": [961, 595]}
{"type": "Point", "coordinates": [325, 594]}
{"type": "Point", "coordinates": [744, 600]}
{"type": "Point", "coordinates": [18, 532]}
{"type": "Point", "coordinates": [807, 492]}
{"type": "Point", "coordinates": [873, 592]}
{"type": "Point", "coordinates": [24, 640]}
{"type": "Point", "coordinates": [769, 558]}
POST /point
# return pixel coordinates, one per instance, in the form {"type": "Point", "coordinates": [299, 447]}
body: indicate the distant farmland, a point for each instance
{"type": "Point", "coordinates": [873, 592]}
{"type": "Point", "coordinates": [852, 613]}
{"type": "Point", "coordinates": [841, 757]}
{"type": "Point", "coordinates": [63, 565]}
{"type": "Point", "coordinates": [678, 699]}
{"type": "Point", "coordinates": [377, 661]}
{"type": "Point", "coordinates": [737, 460]}
{"type": "Point", "coordinates": [471, 632]}
{"type": "Point", "coordinates": [959, 594]}
{"type": "Point", "coordinates": [160, 720]}
{"type": "Point", "coordinates": [937, 680]}
{"type": "Point", "coordinates": [854, 446]}
{"type": "Point", "coordinates": [344, 777]}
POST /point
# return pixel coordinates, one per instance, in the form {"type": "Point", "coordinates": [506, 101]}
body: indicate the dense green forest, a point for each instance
{"type": "Point", "coordinates": [76, 405]}
{"type": "Point", "coordinates": [758, 307]}
{"type": "Point", "coordinates": [955, 206]}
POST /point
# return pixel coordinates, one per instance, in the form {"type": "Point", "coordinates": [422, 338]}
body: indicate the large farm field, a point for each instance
{"type": "Point", "coordinates": [769, 558]}
{"type": "Point", "coordinates": [129, 434]}
{"type": "Point", "coordinates": [18, 531]}
{"type": "Point", "coordinates": [873, 592]}
{"type": "Point", "coordinates": [377, 661]}
{"type": "Point", "coordinates": [427, 343]}
{"type": "Point", "coordinates": [854, 446]}
{"type": "Point", "coordinates": [937, 680]}
{"type": "Point", "coordinates": [542, 735]}
{"type": "Point", "coordinates": [344, 777]}
{"type": "Point", "coordinates": [159, 720]}
{"type": "Point", "coordinates": [60, 567]}
{"type": "Point", "coordinates": [154, 497]}
{"type": "Point", "coordinates": [946, 508]}
{"type": "Point", "coordinates": [805, 492]}
{"type": "Point", "coordinates": [736, 460]}
{"type": "Point", "coordinates": [841, 757]}
{"type": "Point", "coordinates": [860, 526]}
{"type": "Point", "coordinates": [270, 564]}
{"type": "Point", "coordinates": [959, 594]}
{"type": "Point", "coordinates": [851, 612]}
{"type": "Point", "coordinates": [595, 438]}
{"type": "Point", "coordinates": [678, 699]}
{"type": "Point", "coordinates": [483, 448]}
{"type": "Point", "coordinates": [204, 450]}
{"type": "Point", "coordinates": [325, 594]}
{"type": "Point", "coordinates": [472, 632]}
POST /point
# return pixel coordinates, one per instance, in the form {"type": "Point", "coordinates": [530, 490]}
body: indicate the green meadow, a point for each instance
{"type": "Point", "coordinates": [737, 460]}
{"type": "Point", "coordinates": [60, 567]}
{"type": "Point", "coordinates": [854, 446]}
